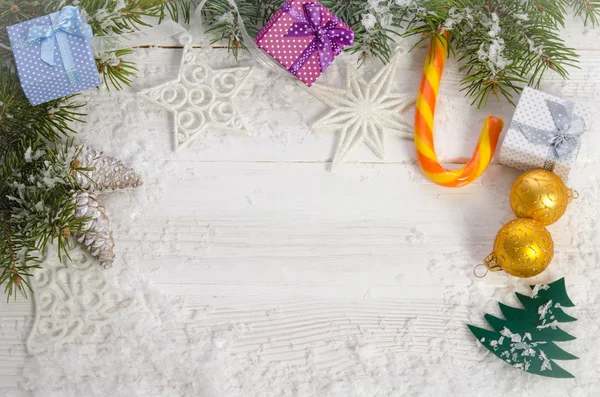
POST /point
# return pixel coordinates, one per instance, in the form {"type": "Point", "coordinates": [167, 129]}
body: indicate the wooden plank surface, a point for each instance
{"type": "Point", "coordinates": [255, 230]}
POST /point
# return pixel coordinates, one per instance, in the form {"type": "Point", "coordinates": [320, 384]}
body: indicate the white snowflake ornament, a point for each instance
{"type": "Point", "coordinates": [365, 112]}
{"type": "Point", "coordinates": [200, 98]}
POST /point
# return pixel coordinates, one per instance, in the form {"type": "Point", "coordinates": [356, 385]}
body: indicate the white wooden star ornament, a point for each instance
{"type": "Point", "coordinates": [365, 112]}
{"type": "Point", "coordinates": [200, 98]}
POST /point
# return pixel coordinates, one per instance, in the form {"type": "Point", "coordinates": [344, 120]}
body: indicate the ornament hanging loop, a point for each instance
{"type": "Point", "coordinates": [490, 264]}
{"type": "Point", "coordinates": [573, 194]}
{"type": "Point", "coordinates": [478, 273]}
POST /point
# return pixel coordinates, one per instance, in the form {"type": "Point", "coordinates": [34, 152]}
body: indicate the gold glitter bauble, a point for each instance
{"type": "Point", "coordinates": [540, 195]}
{"type": "Point", "coordinates": [523, 248]}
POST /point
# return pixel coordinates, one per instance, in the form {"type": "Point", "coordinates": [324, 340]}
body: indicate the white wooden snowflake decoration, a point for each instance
{"type": "Point", "coordinates": [200, 98]}
{"type": "Point", "coordinates": [364, 112]}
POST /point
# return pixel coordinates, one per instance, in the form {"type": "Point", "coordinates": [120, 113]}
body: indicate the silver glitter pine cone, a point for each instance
{"type": "Point", "coordinates": [97, 238]}
{"type": "Point", "coordinates": [106, 173]}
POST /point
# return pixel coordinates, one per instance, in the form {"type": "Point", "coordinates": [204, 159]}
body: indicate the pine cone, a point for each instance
{"type": "Point", "coordinates": [107, 172]}
{"type": "Point", "coordinates": [97, 236]}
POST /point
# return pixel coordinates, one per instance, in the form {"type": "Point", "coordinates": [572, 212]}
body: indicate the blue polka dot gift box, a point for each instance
{"type": "Point", "coordinates": [53, 55]}
{"type": "Point", "coordinates": [304, 37]}
{"type": "Point", "coordinates": [546, 132]}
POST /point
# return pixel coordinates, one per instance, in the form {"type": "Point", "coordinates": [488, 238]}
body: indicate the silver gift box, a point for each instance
{"type": "Point", "coordinates": [545, 132]}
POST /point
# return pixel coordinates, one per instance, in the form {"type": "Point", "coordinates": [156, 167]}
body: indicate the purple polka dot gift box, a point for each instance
{"type": "Point", "coordinates": [305, 37]}
{"type": "Point", "coordinates": [53, 55]}
{"type": "Point", "coordinates": [545, 132]}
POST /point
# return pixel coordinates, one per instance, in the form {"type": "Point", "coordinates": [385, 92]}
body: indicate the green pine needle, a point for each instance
{"type": "Point", "coordinates": [529, 34]}
{"type": "Point", "coordinates": [36, 208]}
{"type": "Point", "coordinates": [36, 168]}
{"type": "Point", "coordinates": [115, 71]}
{"type": "Point", "coordinates": [20, 121]}
{"type": "Point", "coordinates": [36, 211]}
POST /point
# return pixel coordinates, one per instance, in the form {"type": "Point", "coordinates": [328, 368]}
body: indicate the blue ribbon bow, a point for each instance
{"type": "Point", "coordinates": [562, 140]}
{"type": "Point", "coordinates": [64, 23]}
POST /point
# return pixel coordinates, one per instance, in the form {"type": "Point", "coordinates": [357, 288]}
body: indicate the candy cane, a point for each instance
{"type": "Point", "coordinates": [424, 142]}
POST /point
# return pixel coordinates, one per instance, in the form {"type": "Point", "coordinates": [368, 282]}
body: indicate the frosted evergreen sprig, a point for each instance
{"type": "Point", "coordinates": [36, 208]}
{"type": "Point", "coordinates": [106, 17]}
{"type": "Point", "coordinates": [502, 45]}
{"type": "Point", "coordinates": [19, 121]}
{"type": "Point", "coordinates": [36, 176]}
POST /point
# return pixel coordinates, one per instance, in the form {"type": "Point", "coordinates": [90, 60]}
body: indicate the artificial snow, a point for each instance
{"type": "Point", "coordinates": [168, 348]}
{"type": "Point", "coordinates": [369, 21]}
{"type": "Point", "coordinates": [544, 310]}
{"type": "Point", "coordinates": [492, 53]}
{"type": "Point", "coordinates": [537, 288]}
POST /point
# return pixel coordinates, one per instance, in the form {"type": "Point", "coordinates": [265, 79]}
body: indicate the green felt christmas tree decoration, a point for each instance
{"type": "Point", "coordinates": [526, 337]}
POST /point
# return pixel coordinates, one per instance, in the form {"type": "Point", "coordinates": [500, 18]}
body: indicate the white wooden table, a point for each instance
{"type": "Point", "coordinates": [330, 272]}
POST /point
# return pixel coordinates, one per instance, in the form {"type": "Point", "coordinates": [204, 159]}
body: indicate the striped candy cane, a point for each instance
{"type": "Point", "coordinates": [424, 141]}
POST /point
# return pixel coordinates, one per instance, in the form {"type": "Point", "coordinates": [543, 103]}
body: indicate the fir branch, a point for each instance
{"type": "Point", "coordinates": [38, 172]}
{"type": "Point", "coordinates": [109, 17]}
{"type": "Point", "coordinates": [179, 10]}
{"type": "Point", "coordinates": [19, 120]}
{"type": "Point", "coordinates": [12, 12]}
{"type": "Point", "coordinates": [16, 261]}
{"type": "Point", "coordinates": [224, 22]}
{"type": "Point", "coordinates": [115, 70]}
{"type": "Point", "coordinates": [37, 207]}
{"type": "Point", "coordinates": [104, 16]}
{"type": "Point", "coordinates": [113, 16]}
{"type": "Point", "coordinates": [266, 10]}
{"type": "Point", "coordinates": [588, 9]}
{"type": "Point", "coordinates": [501, 45]}
{"type": "Point", "coordinates": [370, 41]}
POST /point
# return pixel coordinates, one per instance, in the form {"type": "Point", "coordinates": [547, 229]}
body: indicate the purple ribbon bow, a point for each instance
{"type": "Point", "coordinates": [328, 40]}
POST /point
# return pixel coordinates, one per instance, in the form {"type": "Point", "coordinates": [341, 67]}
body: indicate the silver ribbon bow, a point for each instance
{"type": "Point", "coordinates": [562, 140]}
